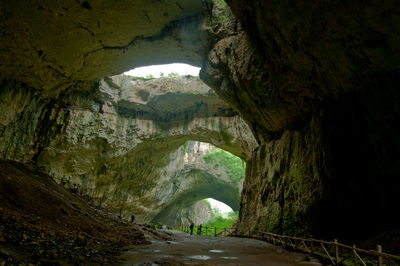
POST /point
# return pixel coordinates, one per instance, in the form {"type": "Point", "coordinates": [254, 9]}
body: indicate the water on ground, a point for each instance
{"type": "Point", "coordinates": [206, 250]}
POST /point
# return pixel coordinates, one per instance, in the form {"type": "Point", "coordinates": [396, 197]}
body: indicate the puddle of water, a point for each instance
{"type": "Point", "coordinates": [200, 257]}
{"type": "Point", "coordinates": [152, 250]}
{"type": "Point", "coordinates": [131, 252]}
{"type": "Point", "coordinates": [216, 251]}
{"type": "Point", "coordinates": [230, 258]}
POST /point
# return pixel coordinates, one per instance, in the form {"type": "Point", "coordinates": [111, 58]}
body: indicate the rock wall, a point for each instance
{"type": "Point", "coordinates": [318, 85]}
{"type": "Point", "coordinates": [50, 45]}
{"type": "Point", "coordinates": [121, 139]}
{"type": "Point", "coordinates": [199, 213]}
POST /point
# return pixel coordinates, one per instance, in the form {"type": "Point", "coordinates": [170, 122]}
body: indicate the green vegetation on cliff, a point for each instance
{"type": "Point", "coordinates": [234, 166]}
{"type": "Point", "coordinates": [222, 221]}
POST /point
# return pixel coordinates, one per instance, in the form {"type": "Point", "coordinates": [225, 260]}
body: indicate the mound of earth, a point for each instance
{"type": "Point", "coordinates": [41, 222]}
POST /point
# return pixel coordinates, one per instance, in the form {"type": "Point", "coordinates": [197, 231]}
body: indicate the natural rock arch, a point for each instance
{"type": "Point", "coordinates": [197, 180]}
{"type": "Point", "coordinates": [122, 140]}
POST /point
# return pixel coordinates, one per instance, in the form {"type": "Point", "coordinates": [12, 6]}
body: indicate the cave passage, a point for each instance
{"type": "Point", "coordinates": [205, 172]}
{"type": "Point", "coordinates": [305, 92]}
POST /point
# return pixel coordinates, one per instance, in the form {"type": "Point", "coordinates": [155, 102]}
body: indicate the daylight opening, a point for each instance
{"type": "Point", "coordinates": [218, 206]}
{"type": "Point", "coordinates": [157, 71]}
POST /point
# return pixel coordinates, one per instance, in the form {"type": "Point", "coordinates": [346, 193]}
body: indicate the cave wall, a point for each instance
{"type": "Point", "coordinates": [336, 176]}
{"type": "Point", "coordinates": [318, 84]}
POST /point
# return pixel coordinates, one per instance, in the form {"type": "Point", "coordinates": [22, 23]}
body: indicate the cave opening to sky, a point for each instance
{"type": "Point", "coordinates": [219, 206]}
{"type": "Point", "coordinates": [157, 71]}
{"type": "Point", "coordinates": [210, 181]}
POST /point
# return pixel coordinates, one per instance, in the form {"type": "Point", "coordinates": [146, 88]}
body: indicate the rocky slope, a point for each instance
{"type": "Point", "coordinates": [121, 140]}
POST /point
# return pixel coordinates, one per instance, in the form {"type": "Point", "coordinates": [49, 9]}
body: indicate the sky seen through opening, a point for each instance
{"type": "Point", "coordinates": [156, 70]}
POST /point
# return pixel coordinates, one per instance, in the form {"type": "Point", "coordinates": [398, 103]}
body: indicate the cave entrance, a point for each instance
{"type": "Point", "coordinates": [208, 183]}
{"type": "Point", "coordinates": [165, 70]}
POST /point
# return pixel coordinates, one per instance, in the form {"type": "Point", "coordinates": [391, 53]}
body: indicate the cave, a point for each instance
{"type": "Point", "coordinates": [206, 173]}
{"type": "Point", "coordinates": [306, 93]}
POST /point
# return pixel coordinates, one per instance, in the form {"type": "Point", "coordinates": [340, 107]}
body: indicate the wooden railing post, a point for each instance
{"type": "Point", "coordinates": [380, 259]}
{"type": "Point", "coordinates": [311, 245]}
{"type": "Point", "coordinates": [336, 251]}
{"type": "Point", "coordinates": [225, 231]}
{"type": "Point", "coordinates": [215, 231]}
{"type": "Point", "coordinates": [354, 254]}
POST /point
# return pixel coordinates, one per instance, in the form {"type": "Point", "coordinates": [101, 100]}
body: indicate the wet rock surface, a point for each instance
{"type": "Point", "coordinates": [202, 250]}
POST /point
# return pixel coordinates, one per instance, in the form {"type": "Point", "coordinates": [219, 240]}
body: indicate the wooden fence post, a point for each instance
{"type": "Point", "coordinates": [311, 245]}
{"type": "Point", "coordinates": [215, 231]}
{"type": "Point", "coordinates": [336, 251]}
{"type": "Point", "coordinates": [354, 254]}
{"type": "Point", "coordinates": [225, 231]}
{"type": "Point", "coordinates": [380, 259]}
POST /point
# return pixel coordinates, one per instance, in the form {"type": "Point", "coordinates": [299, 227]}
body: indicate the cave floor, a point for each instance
{"type": "Point", "coordinates": [202, 250]}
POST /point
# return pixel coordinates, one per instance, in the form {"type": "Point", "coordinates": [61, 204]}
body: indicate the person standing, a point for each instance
{"type": "Point", "coordinates": [191, 228]}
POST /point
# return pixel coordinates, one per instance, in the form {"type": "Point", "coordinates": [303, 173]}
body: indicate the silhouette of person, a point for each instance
{"type": "Point", "coordinates": [132, 218]}
{"type": "Point", "coordinates": [191, 228]}
{"type": "Point", "coordinates": [199, 229]}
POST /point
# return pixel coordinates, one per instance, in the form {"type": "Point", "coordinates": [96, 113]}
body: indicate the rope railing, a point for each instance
{"type": "Point", "coordinates": [336, 253]}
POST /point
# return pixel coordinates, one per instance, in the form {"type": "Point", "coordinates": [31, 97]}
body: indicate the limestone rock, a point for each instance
{"type": "Point", "coordinates": [121, 149]}
{"type": "Point", "coordinates": [49, 45]}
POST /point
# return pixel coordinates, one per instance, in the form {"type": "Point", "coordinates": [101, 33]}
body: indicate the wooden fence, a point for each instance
{"type": "Point", "coordinates": [333, 251]}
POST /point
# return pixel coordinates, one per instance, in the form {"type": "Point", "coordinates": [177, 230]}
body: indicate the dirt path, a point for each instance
{"type": "Point", "coordinates": [203, 250]}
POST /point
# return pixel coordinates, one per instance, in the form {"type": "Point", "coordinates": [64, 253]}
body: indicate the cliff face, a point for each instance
{"type": "Point", "coordinates": [121, 140]}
